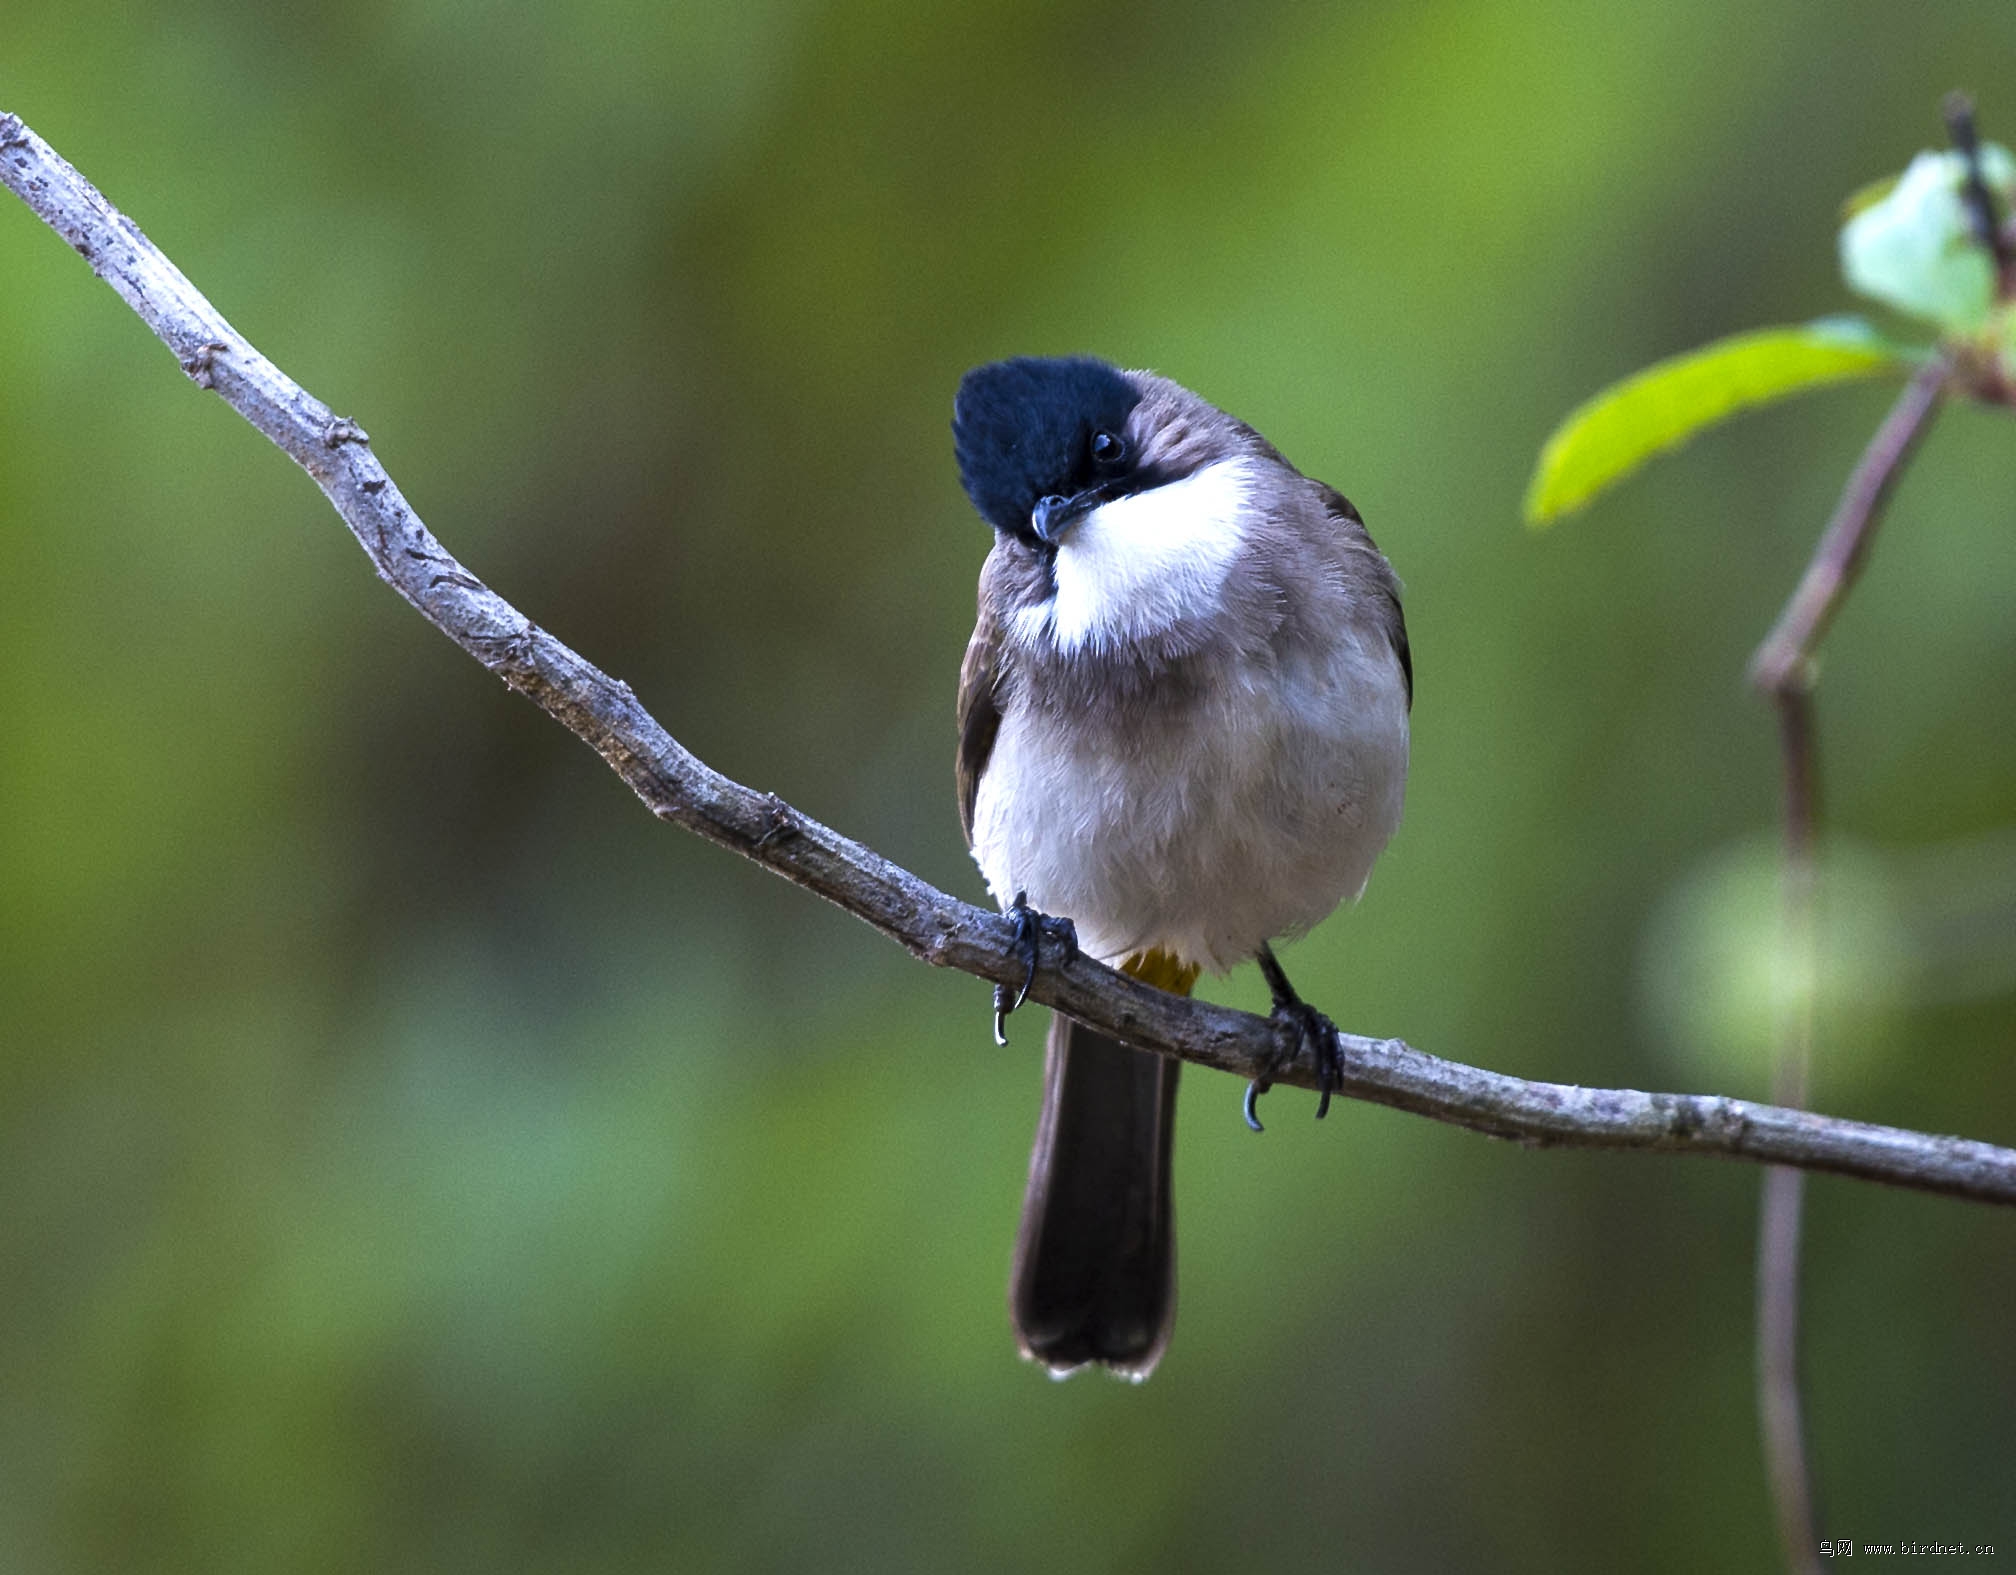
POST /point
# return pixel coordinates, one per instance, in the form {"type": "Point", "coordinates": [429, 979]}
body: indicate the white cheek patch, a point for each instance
{"type": "Point", "coordinates": [1135, 566]}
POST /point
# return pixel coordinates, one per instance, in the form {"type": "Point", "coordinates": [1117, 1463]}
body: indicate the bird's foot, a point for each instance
{"type": "Point", "coordinates": [1030, 929]}
{"type": "Point", "coordinates": [1312, 1032]}
{"type": "Point", "coordinates": [1309, 1030]}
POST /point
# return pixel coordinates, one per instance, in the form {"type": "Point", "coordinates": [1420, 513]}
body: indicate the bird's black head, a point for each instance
{"type": "Point", "coordinates": [1036, 436]}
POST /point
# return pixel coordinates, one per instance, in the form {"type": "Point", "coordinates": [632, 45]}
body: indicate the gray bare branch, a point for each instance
{"type": "Point", "coordinates": [931, 924]}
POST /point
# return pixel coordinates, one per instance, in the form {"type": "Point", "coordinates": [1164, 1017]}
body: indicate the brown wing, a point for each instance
{"type": "Point", "coordinates": [1401, 649]}
{"type": "Point", "coordinates": [979, 711]}
{"type": "Point", "coordinates": [1339, 507]}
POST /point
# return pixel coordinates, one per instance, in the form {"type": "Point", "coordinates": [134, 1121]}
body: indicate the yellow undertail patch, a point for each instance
{"type": "Point", "coordinates": [1162, 970]}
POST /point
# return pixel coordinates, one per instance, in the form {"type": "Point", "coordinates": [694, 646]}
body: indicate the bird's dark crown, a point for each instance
{"type": "Point", "coordinates": [1025, 429]}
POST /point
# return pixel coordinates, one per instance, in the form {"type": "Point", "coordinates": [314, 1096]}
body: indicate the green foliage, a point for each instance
{"type": "Point", "coordinates": [1611, 435]}
{"type": "Point", "coordinates": [1866, 197]}
{"type": "Point", "coordinates": [1907, 241]}
{"type": "Point", "coordinates": [1913, 246]}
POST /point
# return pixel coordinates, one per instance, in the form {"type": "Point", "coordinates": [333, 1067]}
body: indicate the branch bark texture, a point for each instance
{"type": "Point", "coordinates": [933, 925]}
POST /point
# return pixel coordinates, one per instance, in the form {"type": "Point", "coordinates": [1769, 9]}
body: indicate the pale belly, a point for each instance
{"type": "Point", "coordinates": [1204, 828]}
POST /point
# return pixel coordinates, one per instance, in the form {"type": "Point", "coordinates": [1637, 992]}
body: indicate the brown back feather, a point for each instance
{"type": "Point", "coordinates": [979, 711]}
{"type": "Point", "coordinates": [1339, 507]}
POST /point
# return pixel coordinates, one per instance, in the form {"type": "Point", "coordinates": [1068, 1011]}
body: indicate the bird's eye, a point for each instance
{"type": "Point", "coordinates": [1108, 448]}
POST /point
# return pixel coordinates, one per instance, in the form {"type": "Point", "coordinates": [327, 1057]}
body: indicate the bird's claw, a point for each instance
{"type": "Point", "coordinates": [1030, 927]}
{"type": "Point", "coordinates": [1319, 1035]}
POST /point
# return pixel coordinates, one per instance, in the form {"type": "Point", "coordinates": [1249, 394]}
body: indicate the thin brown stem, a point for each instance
{"type": "Point", "coordinates": [1837, 560]}
{"type": "Point", "coordinates": [1989, 231]}
{"type": "Point", "coordinates": [1799, 970]}
{"type": "Point", "coordinates": [1783, 670]}
{"type": "Point", "coordinates": [1778, 1388]}
{"type": "Point", "coordinates": [1778, 1404]}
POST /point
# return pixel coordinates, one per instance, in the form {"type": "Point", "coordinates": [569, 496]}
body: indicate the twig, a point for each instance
{"type": "Point", "coordinates": [1787, 1470]}
{"type": "Point", "coordinates": [1988, 231]}
{"type": "Point", "coordinates": [1780, 662]}
{"type": "Point", "coordinates": [1779, 1416]}
{"type": "Point", "coordinates": [1783, 670]}
{"type": "Point", "coordinates": [934, 926]}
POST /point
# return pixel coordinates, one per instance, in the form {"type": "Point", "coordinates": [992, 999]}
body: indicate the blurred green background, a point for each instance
{"type": "Point", "coordinates": [414, 1157]}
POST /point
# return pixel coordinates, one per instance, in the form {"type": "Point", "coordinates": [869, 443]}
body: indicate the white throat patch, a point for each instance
{"type": "Point", "coordinates": [1133, 567]}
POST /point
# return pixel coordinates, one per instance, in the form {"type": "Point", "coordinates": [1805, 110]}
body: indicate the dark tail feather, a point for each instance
{"type": "Point", "coordinates": [1095, 1264]}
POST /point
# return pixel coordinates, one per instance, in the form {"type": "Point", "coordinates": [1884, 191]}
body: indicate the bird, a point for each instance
{"type": "Point", "coordinates": [1183, 735]}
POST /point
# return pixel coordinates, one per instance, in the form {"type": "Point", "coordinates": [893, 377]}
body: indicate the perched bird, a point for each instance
{"type": "Point", "coordinates": [1182, 727]}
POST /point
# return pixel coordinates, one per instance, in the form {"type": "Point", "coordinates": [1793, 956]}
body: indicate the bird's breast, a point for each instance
{"type": "Point", "coordinates": [1229, 799]}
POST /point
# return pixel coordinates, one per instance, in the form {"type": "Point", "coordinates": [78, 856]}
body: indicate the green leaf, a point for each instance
{"type": "Point", "coordinates": [1863, 198]}
{"type": "Point", "coordinates": [1608, 437]}
{"type": "Point", "coordinates": [1913, 246]}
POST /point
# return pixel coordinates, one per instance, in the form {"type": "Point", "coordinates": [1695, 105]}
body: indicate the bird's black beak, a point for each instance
{"type": "Point", "coordinates": [1054, 516]}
